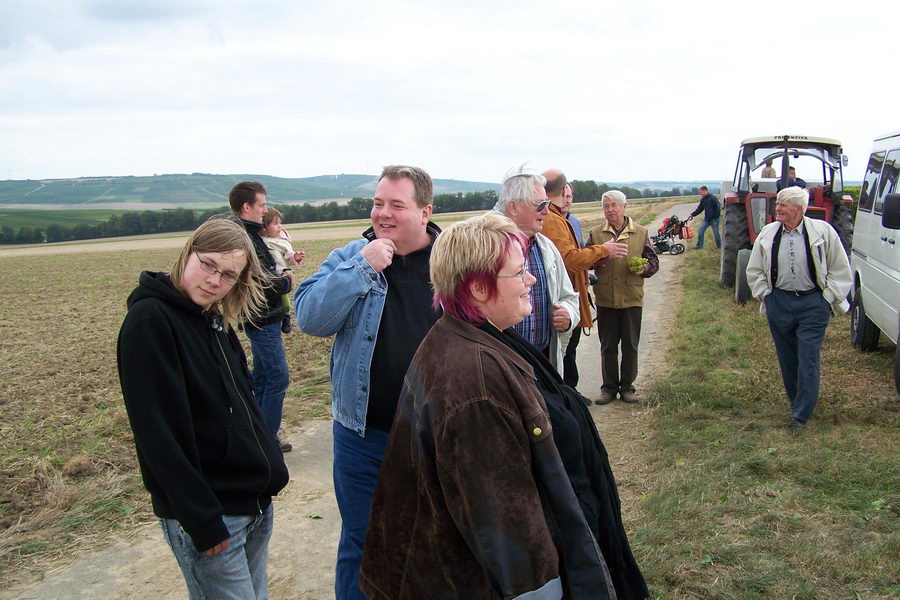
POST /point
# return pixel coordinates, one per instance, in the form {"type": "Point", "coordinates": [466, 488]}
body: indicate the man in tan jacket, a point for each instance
{"type": "Point", "coordinates": [576, 259]}
{"type": "Point", "coordinates": [619, 294]}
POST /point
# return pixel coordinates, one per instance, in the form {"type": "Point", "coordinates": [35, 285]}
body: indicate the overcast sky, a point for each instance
{"type": "Point", "coordinates": [610, 91]}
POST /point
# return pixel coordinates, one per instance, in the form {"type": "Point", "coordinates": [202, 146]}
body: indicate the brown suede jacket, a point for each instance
{"type": "Point", "coordinates": [577, 259]}
{"type": "Point", "coordinates": [467, 504]}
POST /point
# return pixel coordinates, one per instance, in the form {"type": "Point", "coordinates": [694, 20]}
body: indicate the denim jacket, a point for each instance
{"type": "Point", "coordinates": [345, 298]}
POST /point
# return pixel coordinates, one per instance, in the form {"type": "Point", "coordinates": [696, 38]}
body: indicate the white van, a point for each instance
{"type": "Point", "coordinates": [875, 258]}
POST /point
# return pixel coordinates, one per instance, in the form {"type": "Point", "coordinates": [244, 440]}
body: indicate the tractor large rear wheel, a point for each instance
{"type": "Point", "coordinates": [735, 236]}
{"type": "Point", "coordinates": [842, 221]}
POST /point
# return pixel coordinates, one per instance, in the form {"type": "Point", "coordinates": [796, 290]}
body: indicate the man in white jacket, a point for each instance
{"type": "Point", "coordinates": [554, 303]}
{"type": "Point", "coordinates": [799, 271]}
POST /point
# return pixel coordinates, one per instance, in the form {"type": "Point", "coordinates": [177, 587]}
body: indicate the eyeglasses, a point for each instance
{"type": "Point", "coordinates": [228, 278]}
{"type": "Point", "coordinates": [540, 206]}
{"type": "Point", "coordinates": [521, 275]}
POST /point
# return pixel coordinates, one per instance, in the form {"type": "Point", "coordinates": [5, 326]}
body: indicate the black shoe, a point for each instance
{"type": "Point", "coordinates": [697, 248]}
{"type": "Point", "coordinates": [795, 422]}
{"type": "Point", "coordinates": [285, 325]}
{"type": "Point", "coordinates": [285, 447]}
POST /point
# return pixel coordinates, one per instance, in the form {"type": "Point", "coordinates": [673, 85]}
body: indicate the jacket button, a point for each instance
{"type": "Point", "coordinates": [537, 431]}
{"type": "Point", "coordinates": [368, 338]}
{"type": "Point", "coordinates": [362, 387]}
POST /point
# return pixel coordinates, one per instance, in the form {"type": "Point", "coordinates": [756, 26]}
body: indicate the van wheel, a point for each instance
{"type": "Point", "coordinates": [863, 332]}
{"type": "Point", "coordinates": [897, 368]}
{"type": "Point", "coordinates": [741, 286]}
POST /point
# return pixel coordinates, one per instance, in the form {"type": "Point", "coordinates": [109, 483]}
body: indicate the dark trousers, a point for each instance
{"type": "Point", "coordinates": [798, 327]}
{"type": "Point", "coordinates": [570, 367]}
{"type": "Point", "coordinates": [270, 372]}
{"type": "Point", "coordinates": [619, 327]}
{"type": "Point", "coordinates": [357, 461]}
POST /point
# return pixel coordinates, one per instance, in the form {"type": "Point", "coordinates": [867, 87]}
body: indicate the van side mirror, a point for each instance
{"type": "Point", "coordinates": [890, 218]}
{"type": "Point", "coordinates": [844, 160]}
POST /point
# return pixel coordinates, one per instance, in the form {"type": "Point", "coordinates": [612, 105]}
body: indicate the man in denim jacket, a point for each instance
{"type": "Point", "coordinates": [374, 295]}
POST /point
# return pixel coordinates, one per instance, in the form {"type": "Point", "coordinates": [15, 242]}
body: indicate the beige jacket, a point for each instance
{"type": "Point", "coordinates": [832, 267]}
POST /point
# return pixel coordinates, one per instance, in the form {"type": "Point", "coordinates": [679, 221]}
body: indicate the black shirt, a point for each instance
{"type": "Point", "coordinates": [405, 320]}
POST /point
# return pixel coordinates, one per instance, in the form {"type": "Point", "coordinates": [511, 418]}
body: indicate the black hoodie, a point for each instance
{"type": "Point", "coordinates": [276, 286]}
{"type": "Point", "coordinates": [202, 446]}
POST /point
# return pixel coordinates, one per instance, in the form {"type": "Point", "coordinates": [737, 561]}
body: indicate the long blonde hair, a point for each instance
{"type": "Point", "coordinates": [246, 298]}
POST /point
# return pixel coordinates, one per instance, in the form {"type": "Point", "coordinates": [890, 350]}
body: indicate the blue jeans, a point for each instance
{"type": "Point", "coordinates": [357, 461]}
{"type": "Point", "coordinates": [798, 327]}
{"type": "Point", "coordinates": [711, 223]}
{"type": "Point", "coordinates": [237, 573]}
{"type": "Point", "coordinates": [270, 372]}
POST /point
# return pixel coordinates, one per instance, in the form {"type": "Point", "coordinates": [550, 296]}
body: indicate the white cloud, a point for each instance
{"type": "Point", "coordinates": [611, 91]}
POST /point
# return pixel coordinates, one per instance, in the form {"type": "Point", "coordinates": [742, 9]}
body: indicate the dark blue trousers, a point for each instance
{"type": "Point", "coordinates": [798, 326]}
{"type": "Point", "coordinates": [357, 461]}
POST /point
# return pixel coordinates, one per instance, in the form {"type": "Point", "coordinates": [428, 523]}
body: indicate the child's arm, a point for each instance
{"type": "Point", "coordinates": [297, 257]}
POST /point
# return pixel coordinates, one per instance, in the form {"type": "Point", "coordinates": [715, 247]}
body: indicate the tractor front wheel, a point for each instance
{"type": "Point", "coordinates": [741, 285]}
{"type": "Point", "coordinates": [735, 236]}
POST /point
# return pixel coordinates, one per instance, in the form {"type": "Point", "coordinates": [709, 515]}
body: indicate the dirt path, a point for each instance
{"type": "Point", "coordinates": [301, 556]}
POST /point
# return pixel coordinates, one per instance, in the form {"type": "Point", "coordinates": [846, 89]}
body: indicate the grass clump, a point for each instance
{"type": "Point", "coordinates": [742, 507]}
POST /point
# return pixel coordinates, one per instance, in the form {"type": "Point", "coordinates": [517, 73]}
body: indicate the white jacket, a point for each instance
{"type": "Point", "coordinates": [559, 291]}
{"type": "Point", "coordinates": [832, 267]}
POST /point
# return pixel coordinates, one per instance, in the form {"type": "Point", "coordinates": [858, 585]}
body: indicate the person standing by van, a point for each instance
{"type": "Point", "coordinates": [799, 270]}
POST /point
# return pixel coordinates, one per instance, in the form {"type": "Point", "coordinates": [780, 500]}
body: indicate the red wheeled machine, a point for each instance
{"type": "Point", "coordinates": [750, 204]}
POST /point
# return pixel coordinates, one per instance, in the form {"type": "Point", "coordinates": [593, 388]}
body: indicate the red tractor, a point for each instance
{"type": "Point", "coordinates": [750, 204]}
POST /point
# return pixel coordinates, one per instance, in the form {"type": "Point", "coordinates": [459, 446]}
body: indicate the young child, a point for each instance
{"type": "Point", "coordinates": [278, 240]}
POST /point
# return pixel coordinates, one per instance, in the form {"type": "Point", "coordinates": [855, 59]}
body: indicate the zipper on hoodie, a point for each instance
{"type": "Point", "coordinates": [249, 420]}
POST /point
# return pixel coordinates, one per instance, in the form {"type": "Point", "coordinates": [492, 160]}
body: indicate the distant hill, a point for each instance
{"type": "Point", "coordinates": [201, 189]}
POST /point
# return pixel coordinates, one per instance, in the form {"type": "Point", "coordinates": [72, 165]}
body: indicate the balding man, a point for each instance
{"type": "Point", "coordinates": [577, 259]}
{"type": "Point", "coordinates": [554, 303]}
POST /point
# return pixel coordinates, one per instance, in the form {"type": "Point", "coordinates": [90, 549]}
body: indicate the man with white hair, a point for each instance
{"type": "Point", "coordinates": [800, 272]}
{"type": "Point", "coordinates": [554, 303]}
{"type": "Point", "coordinates": [619, 294]}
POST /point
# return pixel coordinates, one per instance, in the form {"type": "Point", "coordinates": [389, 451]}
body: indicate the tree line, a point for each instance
{"type": "Point", "coordinates": [185, 219]}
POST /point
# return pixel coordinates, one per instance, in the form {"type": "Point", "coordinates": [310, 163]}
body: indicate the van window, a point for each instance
{"type": "Point", "coordinates": [867, 192]}
{"type": "Point", "coordinates": [888, 182]}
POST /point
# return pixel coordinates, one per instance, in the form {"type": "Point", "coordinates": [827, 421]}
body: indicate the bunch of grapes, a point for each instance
{"type": "Point", "coordinates": [636, 264]}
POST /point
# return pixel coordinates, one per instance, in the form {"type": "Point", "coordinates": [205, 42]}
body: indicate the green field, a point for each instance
{"type": "Point", "coordinates": [185, 190]}
{"type": "Point", "coordinates": [15, 218]}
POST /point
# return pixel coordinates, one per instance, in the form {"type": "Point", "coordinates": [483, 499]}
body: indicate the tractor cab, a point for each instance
{"type": "Point", "coordinates": [763, 168]}
{"type": "Point", "coordinates": [817, 163]}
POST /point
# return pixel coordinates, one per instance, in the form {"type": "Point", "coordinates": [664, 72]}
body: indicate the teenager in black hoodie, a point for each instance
{"type": "Point", "coordinates": [209, 462]}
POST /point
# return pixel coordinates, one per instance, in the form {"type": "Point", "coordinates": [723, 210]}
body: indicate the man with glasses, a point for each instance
{"type": "Point", "coordinates": [554, 303]}
{"type": "Point", "coordinates": [567, 239]}
{"type": "Point", "coordinates": [800, 272]}
{"type": "Point", "coordinates": [270, 370]}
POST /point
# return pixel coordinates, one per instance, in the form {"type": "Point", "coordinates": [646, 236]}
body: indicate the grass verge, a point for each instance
{"type": "Point", "coordinates": [741, 507]}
